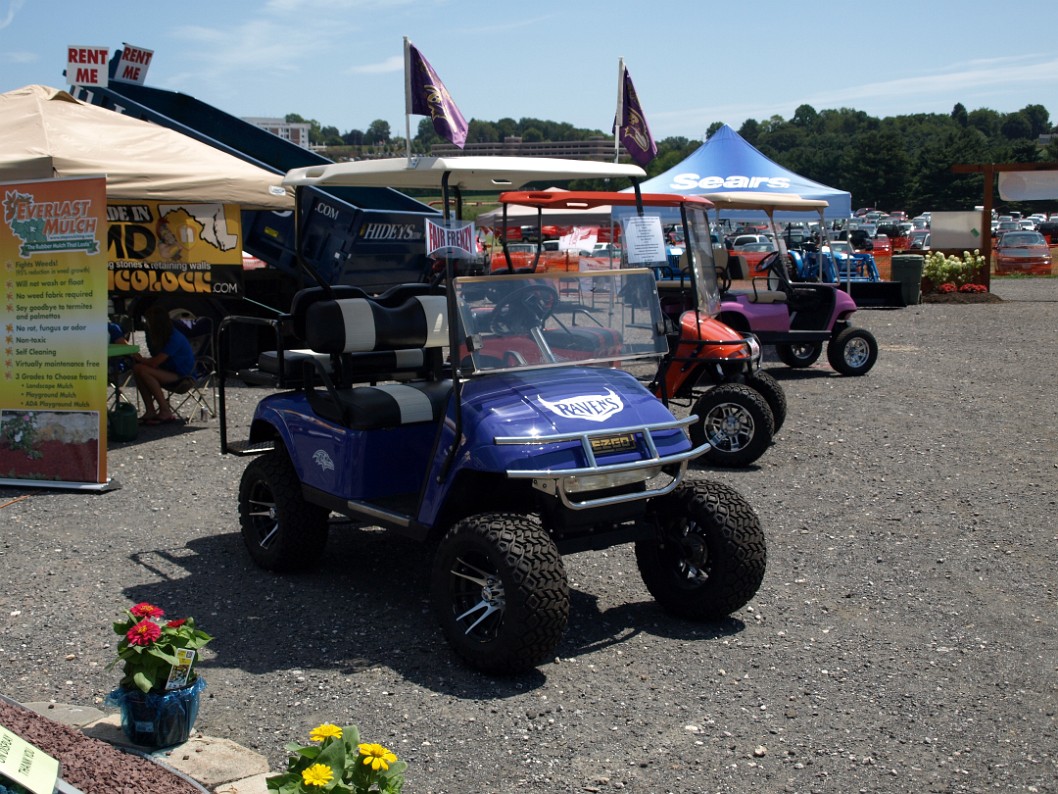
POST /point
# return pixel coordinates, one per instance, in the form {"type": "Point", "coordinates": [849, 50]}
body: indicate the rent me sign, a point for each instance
{"type": "Point", "coordinates": [133, 65]}
{"type": "Point", "coordinates": [87, 66]}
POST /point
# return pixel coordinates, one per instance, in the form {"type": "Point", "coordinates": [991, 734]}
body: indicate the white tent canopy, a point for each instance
{"type": "Point", "coordinates": [46, 133]}
{"type": "Point", "coordinates": [465, 173]}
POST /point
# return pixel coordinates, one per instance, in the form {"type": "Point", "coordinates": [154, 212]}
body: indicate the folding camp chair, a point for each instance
{"type": "Point", "coordinates": [199, 390]}
{"type": "Point", "coordinates": [120, 381]}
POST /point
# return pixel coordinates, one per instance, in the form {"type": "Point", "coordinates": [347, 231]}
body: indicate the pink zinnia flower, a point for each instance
{"type": "Point", "coordinates": [143, 633]}
{"type": "Point", "coordinates": [145, 610]}
{"type": "Point", "coordinates": [175, 624]}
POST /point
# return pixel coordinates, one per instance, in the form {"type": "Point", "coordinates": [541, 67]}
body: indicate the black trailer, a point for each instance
{"type": "Point", "coordinates": [371, 237]}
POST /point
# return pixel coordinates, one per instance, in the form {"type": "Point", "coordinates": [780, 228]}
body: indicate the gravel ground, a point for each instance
{"type": "Point", "coordinates": [904, 638]}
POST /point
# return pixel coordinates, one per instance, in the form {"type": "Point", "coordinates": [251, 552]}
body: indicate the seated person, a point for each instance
{"type": "Point", "coordinates": [171, 360]}
{"type": "Point", "coordinates": [117, 336]}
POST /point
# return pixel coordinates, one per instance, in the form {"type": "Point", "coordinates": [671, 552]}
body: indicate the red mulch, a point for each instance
{"type": "Point", "coordinates": [58, 461]}
{"type": "Point", "coordinates": [91, 765]}
{"type": "Point", "coordinates": [961, 297]}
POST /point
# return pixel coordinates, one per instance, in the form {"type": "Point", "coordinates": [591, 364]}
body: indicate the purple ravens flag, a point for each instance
{"type": "Point", "coordinates": [634, 132]}
{"type": "Point", "coordinates": [426, 95]}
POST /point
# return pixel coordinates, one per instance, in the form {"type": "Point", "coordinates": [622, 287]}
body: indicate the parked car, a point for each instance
{"type": "Point", "coordinates": [1049, 229]}
{"type": "Point", "coordinates": [1023, 252]}
{"type": "Point", "coordinates": [861, 239]}
{"type": "Point", "coordinates": [898, 234]}
{"type": "Point", "coordinates": [753, 253]}
{"type": "Point", "coordinates": [1005, 226]}
{"type": "Point", "coordinates": [919, 240]}
{"type": "Point", "coordinates": [746, 239]}
{"type": "Point", "coordinates": [882, 245]}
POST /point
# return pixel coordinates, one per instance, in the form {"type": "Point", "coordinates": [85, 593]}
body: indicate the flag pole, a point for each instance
{"type": "Point", "coordinates": [407, 98]}
{"type": "Point", "coordinates": [620, 109]}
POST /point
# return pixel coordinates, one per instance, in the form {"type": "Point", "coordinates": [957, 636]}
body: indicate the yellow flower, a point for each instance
{"type": "Point", "coordinates": [317, 775]}
{"type": "Point", "coordinates": [376, 756]}
{"type": "Point", "coordinates": [325, 731]}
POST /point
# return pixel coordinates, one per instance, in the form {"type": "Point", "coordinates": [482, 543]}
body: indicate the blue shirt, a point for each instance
{"type": "Point", "coordinates": [181, 357]}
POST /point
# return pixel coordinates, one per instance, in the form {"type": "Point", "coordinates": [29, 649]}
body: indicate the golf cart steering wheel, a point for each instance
{"type": "Point", "coordinates": [772, 264]}
{"type": "Point", "coordinates": [767, 262]}
{"type": "Point", "coordinates": [525, 308]}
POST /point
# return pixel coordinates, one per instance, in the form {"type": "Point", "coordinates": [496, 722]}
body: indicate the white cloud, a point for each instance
{"type": "Point", "coordinates": [7, 16]}
{"type": "Point", "coordinates": [20, 57]}
{"type": "Point", "coordinates": [393, 64]}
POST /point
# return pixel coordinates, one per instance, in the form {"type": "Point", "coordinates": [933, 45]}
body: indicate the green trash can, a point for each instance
{"type": "Point", "coordinates": [123, 423]}
{"type": "Point", "coordinates": [907, 269]}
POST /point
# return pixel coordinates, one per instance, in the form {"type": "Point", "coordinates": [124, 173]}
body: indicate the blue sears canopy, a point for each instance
{"type": "Point", "coordinates": [727, 163]}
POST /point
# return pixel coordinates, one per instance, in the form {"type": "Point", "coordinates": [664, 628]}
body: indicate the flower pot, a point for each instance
{"type": "Point", "coordinates": [157, 719]}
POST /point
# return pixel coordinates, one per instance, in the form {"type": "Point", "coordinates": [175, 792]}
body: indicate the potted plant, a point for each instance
{"type": "Point", "coordinates": [159, 690]}
{"type": "Point", "coordinates": [338, 762]}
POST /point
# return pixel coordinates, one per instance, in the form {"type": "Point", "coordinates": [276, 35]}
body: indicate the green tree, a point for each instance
{"type": "Point", "coordinates": [1039, 119]}
{"type": "Point", "coordinates": [1015, 126]}
{"type": "Point", "coordinates": [806, 117]}
{"type": "Point", "coordinates": [426, 135]}
{"type": "Point", "coordinates": [377, 132]}
{"type": "Point", "coordinates": [750, 130]}
{"type": "Point", "coordinates": [959, 114]}
{"type": "Point", "coordinates": [985, 120]}
{"type": "Point", "coordinates": [329, 136]}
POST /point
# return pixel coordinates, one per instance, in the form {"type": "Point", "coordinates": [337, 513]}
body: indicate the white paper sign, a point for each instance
{"type": "Point", "coordinates": [132, 67]}
{"type": "Point", "coordinates": [643, 240]}
{"type": "Point", "coordinates": [87, 66]}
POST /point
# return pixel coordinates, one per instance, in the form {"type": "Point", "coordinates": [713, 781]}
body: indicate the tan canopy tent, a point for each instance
{"type": "Point", "coordinates": [46, 133]}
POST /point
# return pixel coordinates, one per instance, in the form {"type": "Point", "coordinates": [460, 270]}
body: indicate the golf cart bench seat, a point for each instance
{"type": "Point", "coordinates": [368, 341]}
{"type": "Point", "coordinates": [757, 295]}
{"type": "Point", "coordinates": [363, 367]}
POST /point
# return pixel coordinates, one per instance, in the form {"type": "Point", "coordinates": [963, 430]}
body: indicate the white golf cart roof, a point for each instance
{"type": "Point", "coordinates": [769, 202]}
{"type": "Point", "coordinates": [465, 173]}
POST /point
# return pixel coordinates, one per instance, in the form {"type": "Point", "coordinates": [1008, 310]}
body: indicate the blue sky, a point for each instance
{"type": "Point", "coordinates": [694, 62]}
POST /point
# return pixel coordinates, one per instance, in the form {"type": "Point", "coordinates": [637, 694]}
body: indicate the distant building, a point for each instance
{"type": "Point", "coordinates": [592, 149]}
{"type": "Point", "coordinates": [297, 132]}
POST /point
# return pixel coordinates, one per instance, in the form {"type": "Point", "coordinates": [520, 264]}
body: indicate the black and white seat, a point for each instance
{"type": "Point", "coordinates": [397, 350]}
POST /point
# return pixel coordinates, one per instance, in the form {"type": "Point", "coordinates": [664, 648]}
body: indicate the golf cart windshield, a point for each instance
{"type": "Point", "coordinates": [666, 233]}
{"type": "Point", "coordinates": [686, 247]}
{"type": "Point", "coordinates": [554, 318]}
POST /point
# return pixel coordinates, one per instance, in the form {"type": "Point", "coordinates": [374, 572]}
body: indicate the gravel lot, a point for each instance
{"type": "Point", "coordinates": [904, 639]}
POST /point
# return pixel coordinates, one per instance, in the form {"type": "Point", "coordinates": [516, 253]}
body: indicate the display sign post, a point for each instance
{"type": "Point", "coordinates": [53, 373]}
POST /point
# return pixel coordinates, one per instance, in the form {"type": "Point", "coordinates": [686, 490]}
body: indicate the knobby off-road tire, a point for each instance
{"type": "Point", "coordinates": [853, 351]}
{"type": "Point", "coordinates": [709, 557]}
{"type": "Point", "coordinates": [771, 391]}
{"type": "Point", "coordinates": [500, 592]}
{"type": "Point", "coordinates": [281, 530]}
{"type": "Point", "coordinates": [737, 423]}
{"type": "Point", "coordinates": [800, 355]}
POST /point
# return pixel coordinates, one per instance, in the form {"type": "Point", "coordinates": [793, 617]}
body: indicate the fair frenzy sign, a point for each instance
{"type": "Point", "coordinates": [133, 65]}
{"type": "Point", "coordinates": [87, 66]}
{"type": "Point", "coordinates": [455, 241]}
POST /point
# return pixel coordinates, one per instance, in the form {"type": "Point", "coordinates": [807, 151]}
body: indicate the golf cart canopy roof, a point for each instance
{"type": "Point", "coordinates": [464, 173]}
{"type": "Point", "coordinates": [769, 202]}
